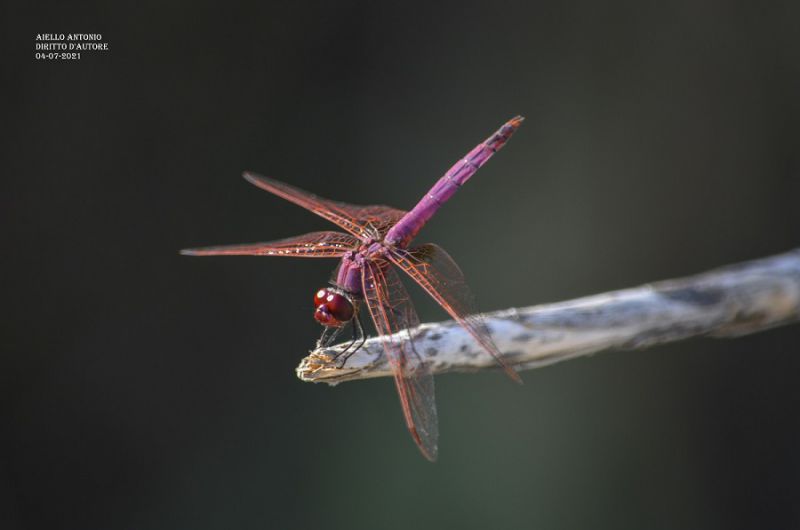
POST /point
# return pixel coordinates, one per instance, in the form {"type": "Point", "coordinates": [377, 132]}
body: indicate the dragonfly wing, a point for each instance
{"type": "Point", "coordinates": [436, 272]}
{"type": "Point", "coordinates": [376, 219]}
{"type": "Point", "coordinates": [361, 221]}
{"type": "Point", "coordinates": [313, 245]}
{"type": "Point", "coordinates": [392, 312]}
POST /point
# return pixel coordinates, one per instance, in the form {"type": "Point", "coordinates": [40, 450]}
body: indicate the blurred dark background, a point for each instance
{"type": "Point", "coordinates": [146, 390]}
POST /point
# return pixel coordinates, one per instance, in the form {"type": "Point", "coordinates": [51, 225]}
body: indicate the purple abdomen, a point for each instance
{"type": "Point", "coordinates": [411, 223]}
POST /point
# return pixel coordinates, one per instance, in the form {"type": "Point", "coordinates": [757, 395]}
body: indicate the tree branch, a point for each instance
{"type": "Point", "coordinates": [727, 302]}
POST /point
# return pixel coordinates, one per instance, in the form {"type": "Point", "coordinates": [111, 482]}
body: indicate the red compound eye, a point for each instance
{"type": "Point", "coordinates": [333, 309]}
{"type": "Point", "coordinates": [320, 296]}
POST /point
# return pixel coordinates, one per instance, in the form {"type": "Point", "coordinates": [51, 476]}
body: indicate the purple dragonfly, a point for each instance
{"type": "Point", "coordinates": [378, 237]}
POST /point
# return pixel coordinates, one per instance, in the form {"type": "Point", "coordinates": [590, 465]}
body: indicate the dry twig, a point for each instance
{"type": "Point", "coordinates": [727, 302]}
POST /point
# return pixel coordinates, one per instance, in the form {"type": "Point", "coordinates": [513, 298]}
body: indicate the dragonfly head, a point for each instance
{"type": "Point", "coordinates": [333, 308]}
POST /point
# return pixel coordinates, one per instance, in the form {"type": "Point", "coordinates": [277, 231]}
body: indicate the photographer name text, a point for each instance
{"type": "Point", "coordinates": [68, 46]}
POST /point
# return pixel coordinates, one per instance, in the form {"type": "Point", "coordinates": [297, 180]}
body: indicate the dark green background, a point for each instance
{"type": "Point", "coordinates": [145, 390]}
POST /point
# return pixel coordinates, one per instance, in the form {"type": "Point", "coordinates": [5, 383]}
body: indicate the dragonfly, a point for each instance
{"type": "Point", "coordinates": [375, 242]}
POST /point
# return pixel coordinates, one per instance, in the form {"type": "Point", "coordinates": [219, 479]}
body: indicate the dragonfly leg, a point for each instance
{"type": "Point", "coordinates": [329, 334]}
{"type": "Point", "coordinates": [361, 333]}
{"type": "Point", "coordinates": [322, 338]}
{"type": "Point", "coordinates": [358, 337]}
{"type": "Point", "coordinates": [344, 353]}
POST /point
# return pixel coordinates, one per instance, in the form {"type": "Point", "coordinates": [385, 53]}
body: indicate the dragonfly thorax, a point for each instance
{"type": "Point", "coordinates": [333, 307]}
